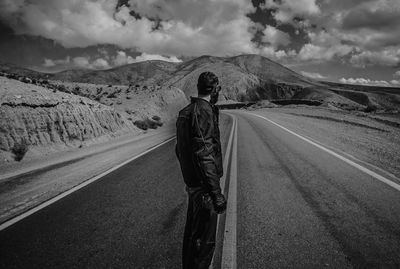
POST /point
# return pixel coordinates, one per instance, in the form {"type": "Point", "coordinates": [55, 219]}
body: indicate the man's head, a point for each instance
{"type": "Point", "coordinates": [207, 86]}
{"type": "Point", "coordinates": [207, 82]}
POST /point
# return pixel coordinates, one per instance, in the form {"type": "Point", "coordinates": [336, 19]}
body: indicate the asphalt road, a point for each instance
{"type": "Point", "coordinates": [300, 207]}
{"type": "Point", "coordinates": [297, 207]}
{"type": "Point", "coordinates": [131, 218]}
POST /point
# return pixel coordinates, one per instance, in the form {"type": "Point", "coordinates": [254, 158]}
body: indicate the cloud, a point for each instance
{"type": "Point", "coordinates": [173, 28]}
{"type": "Point", "coordinates": [323, 46]}
{"type": "Point", "coordinates": [395, 82]}
{"type": "Point", "coordinates": [364, 81]}
{"type": "Point", "coordinates": [100, 63]}
{"type": "Point", "coordinates": [313, 75]}
{"type": "Point", "coordinates": [287, 10]}
{"type": "Point", "coordinates": [277, 55]}
{"type": "Point", "coordinates": [148, 57]}
{"type": "Point", "coordinates": [386, 57]}
{"type": "Point", "coordinates": [360, 32]}
{"type": "Point", "coordinates": [319, 53]}
{"type": "Point", "coordinates": [397, 74]}
{"type": "Point", "coordinates": [275, 37]}
{"type": "Point", "coordinates": [121, 58]}
{"type": "Point", "coordinates": [51, 63]}
{"type": "Point", "coordinates": [84, 62]}
{"type": "Point", "coordinates": [378, 15]}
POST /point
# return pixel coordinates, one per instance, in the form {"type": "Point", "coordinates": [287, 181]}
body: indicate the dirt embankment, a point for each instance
{"type": "Point", "coordinates": [44, 120]}
{"type": "Point", "coordinates": [136, 102]}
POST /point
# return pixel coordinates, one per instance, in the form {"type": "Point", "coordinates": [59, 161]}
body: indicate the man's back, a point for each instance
{"type": "Point", "coordinates": [198, 150]}
{"type": "Point", "coordinates": [198, 136]}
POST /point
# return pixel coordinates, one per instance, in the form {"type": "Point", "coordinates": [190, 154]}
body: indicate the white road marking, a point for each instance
{"type": "Point", "coordinates": [361, 168]}
{"type": "Point", "coordinates": [225, 167]}
{"type": "Point", "coordinates": [228, 153]}
{"type": "Point", "coordinates": [230, 239]}
{"type": "Point", "coordinates": [83, 184]}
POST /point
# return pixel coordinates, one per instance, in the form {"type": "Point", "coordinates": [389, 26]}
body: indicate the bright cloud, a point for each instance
{"type": "Point", "coordinates": [323, 46]}
{"type": "Point", "coordinates": [174, 28]}
{"type": "Point", "coordinates": [122, 58]}
{"type": "Point", "coordinates": [275, 37]}
{"type": "Point", "coordinates": [84, 62]}
{"type": "Point", "coordinates": [318, 52]}
{"type": "Point", "coordinates": [395, 82]}
{"type": "Point", "coordinates": [105, 62]}
{"type": "Point", "coordinates": [148, 57]}
{"type": "Point", "coordinates": [51, 63]}
{"type": "Point", "coordinates": [313, 75]}
{"type": "Point", "coordinates": [364, 81]}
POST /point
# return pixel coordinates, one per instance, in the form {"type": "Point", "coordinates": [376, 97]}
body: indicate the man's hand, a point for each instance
{"type": "Point", "coordinates": [219, 203]}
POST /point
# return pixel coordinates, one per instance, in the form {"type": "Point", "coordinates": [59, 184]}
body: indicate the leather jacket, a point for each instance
{"type": "Point", "coordinates": [198, 145]}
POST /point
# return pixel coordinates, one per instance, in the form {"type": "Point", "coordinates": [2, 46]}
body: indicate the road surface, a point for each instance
{"type": "Point", "coordinates": [297, 206]}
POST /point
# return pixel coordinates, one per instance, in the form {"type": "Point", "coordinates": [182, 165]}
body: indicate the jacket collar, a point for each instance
{"type": "Point", "coordinates": [198, 99]}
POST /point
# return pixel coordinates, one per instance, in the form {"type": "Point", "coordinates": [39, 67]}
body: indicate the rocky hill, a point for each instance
{"type": "Point", "coordinates": [243, 78]}
{"type": "Point", "coordinates": [137, 102]}
{"type": "Point", "coordinates": [43, 120]}
{"type": "Point", "coordinates": [152, 72]}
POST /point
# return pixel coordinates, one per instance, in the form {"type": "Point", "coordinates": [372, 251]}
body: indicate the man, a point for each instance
{"type": "Point", "coordinates": [199, 153]}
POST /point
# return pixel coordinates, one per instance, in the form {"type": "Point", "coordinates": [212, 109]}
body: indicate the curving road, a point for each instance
{"type": "Point", "coordinates": [292, 205]}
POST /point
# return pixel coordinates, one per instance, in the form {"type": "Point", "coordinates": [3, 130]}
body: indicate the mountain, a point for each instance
{"type": "Point", "coordinates": [20, 71]}
{"type": "Point", "coordinates": [151, 72]}
{"type": "Point", "coordinates": [242, 78]}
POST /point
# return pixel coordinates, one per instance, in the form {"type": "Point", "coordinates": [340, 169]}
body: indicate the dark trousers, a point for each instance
{"type": "Point", "coordinates": [200, 231]}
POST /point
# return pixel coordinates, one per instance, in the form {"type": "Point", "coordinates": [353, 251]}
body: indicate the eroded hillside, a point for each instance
{"type": "Point", "coordinates": [62, 115]}
{"type": "Point", "coordinates": [35, 116]}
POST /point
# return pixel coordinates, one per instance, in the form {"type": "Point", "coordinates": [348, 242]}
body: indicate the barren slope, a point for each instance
{"type": "Point", "coordinates": [45, 120]}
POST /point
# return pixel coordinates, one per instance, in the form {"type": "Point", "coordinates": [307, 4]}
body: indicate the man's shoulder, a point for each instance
{"type": "Point", "coordinates": [202, 106]}
{"type": "Point", "coordinates": [186, 111]}
{"type": "Point", "coordinates": [198, 106]}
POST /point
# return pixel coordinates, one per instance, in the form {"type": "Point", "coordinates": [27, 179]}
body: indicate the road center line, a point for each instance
{"type": "Point", "coordinates": [83, 184]}
{"type": "Point", "coordinates": [230, 239]}
{"type": "Point", "coordinates": [223, 178]}
{"type": "Point", "coordinates": [228, 153]}
{"type": "Point", "coordinates": [361, 168]}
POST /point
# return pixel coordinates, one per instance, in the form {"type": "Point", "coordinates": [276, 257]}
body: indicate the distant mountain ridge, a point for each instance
{"type": "Point", "coordinates": [243, 78]}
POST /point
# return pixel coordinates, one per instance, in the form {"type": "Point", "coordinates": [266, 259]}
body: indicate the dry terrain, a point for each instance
{"type": "Point", "coordinates": [57, 130]}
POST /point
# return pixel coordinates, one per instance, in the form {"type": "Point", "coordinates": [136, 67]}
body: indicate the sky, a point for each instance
{"type": "Point", "coordinates": [349, 41]}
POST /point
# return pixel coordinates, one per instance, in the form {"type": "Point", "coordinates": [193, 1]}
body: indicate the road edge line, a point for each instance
{"type": "Point", "coordinates": [344, 159]}
{"type": "Point", "coordinates": [35, 209]}
{"type": "Point", "coordinates": [228, 259]}
{"type": "Point", "coordinates": [228, 152]}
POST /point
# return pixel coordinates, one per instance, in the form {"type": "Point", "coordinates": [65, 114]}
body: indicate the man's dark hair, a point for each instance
{"type": "Point", "coordinates": [207, 81]}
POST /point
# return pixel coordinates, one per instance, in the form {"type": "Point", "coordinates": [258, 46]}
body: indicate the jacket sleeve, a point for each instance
{"type": "Point", "coordinates": [202, 142]}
